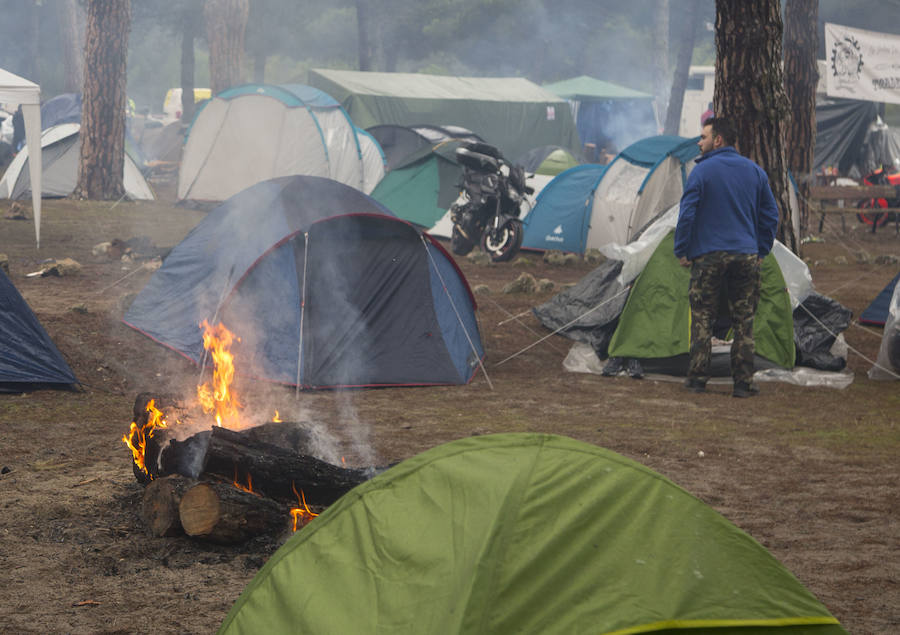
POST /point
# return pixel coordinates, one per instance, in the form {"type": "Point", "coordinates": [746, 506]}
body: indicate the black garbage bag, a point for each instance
{"type": "Point", "coordinates": [818, 320]}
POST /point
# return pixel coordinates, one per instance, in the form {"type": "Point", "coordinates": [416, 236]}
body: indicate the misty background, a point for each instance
{"type": "Point", "coordinates": [634, 43]}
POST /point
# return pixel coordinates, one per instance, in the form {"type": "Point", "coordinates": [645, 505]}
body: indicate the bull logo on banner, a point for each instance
{"type": "Point", "coordinates": [846, 60]}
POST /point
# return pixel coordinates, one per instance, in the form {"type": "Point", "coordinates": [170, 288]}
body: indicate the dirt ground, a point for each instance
{"type": "Point", "coordinates": [812, 473]}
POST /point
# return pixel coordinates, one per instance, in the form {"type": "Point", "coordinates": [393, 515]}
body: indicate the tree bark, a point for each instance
{"type": "Point", "coordinates": [682, 69]}
{"type": "Point", "coordinates": [750, 91]}
{"type": "Point", "coordinates": [103, 110]}
{"type": "Point", "coordinates": [71, 36]}
{"type": "Point", "coordinates": [801, 77]}
{"type": "Point", "coordinates": [226, 24]}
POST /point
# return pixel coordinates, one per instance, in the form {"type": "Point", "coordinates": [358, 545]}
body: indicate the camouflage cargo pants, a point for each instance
{"type": "Point", "coordinates": [738, 275]}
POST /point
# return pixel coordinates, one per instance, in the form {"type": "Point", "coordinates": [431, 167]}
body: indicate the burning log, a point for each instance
{"type": "Point", "coordinates": [224, 514]}
{"type": "Point", "coordinates": [277, 472]}
{"type": "Point", "coordinates": [159, 507]}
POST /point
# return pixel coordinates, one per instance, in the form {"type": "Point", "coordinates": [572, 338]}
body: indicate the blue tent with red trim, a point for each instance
{"type": "Point", "coordinates": [324, 287]}
{"type": "Point", "coordinates": [876, 313]}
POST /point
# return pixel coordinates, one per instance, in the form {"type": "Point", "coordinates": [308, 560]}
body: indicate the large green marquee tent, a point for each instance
{"type": "Point", "coordinates": [511, 113]}
{"type": "Point", "coordinates": [523, 533]}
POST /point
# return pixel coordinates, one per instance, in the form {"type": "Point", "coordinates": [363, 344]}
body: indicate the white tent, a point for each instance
{"type": "Point", "coordinates": [61, 156]}
{"type": "Point", "coordinates": [15, 90]}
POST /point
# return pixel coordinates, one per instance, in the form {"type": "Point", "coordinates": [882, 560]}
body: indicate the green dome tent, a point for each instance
{"type": "Point", "coordinates": [523, 533]}
{"type": "Point", "coordinates": [655, 323]}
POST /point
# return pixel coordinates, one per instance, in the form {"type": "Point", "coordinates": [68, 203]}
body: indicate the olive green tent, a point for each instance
{"type": "Point", "coordinates": [511, 113]}
{"type": "Point", "coordinates": [523, 533]}
{"type": "Point", "coordinates": [655, 323]}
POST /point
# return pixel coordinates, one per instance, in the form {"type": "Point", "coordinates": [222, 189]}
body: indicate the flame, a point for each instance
{"type": "Point", "coordinates": [277, 418]}
{"type": "Point", "coordinates": [218, 398]}
{"type": "Point", "coordinates": [301, 515]}
{"type": "Point", "coordinates": [136, 439]}
{"type": "Point", "coordinates": [244, 488]}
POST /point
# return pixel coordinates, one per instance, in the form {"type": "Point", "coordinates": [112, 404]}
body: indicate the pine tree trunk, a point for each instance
{"type": "Point", "coordinates": [226, 23]}
{"type": "Point", "coordinates": [750, 91]}
{"type": "Point", "coordinates": [682, 68]}
{"type": "Point", "coordinates": [72, 45]}
{"type": "Point", "coordinates": [103, 111]}
{"type": "Point", "coordinates": [801, 77]}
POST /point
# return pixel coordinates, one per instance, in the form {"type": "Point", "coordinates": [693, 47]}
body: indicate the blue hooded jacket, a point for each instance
{"type": "Point", "coordinates": [727, 205]}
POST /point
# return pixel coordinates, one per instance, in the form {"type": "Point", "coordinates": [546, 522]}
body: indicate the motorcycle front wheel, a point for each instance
{"type": "Point", "coordinates": [501, 245]}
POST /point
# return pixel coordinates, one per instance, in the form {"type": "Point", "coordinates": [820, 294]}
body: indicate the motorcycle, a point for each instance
{"type": "Point", "coordinates": [489, 205]}
{"type": "Point", "coordinates": [874, 217]}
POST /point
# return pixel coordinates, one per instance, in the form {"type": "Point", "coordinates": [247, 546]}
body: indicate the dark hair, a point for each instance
{"type": "Point", "coordinates": [722, 126]}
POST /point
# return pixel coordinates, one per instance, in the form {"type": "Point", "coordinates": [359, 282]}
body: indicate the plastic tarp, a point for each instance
{"type": "Point", "coordinates": [511, 113]}
{"type": "Point", "coordinates": [841, 128]}
{"type": "Point", "coordinates": [523, 533]}
{"type": "Point", "coordinates": [887, 365]}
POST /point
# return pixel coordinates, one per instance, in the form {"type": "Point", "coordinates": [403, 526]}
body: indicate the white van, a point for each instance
{"type": "Point", "coordinates": [172, 102]}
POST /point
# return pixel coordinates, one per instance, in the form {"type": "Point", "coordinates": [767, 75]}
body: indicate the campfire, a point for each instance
{"type": "Point", "coordinates": [211, 472]}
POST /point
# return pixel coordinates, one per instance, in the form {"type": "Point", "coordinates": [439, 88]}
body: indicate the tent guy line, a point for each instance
{"type": "Point", "coordinates": [564, 326]}
{"type": "Point", "coordinates": [456, 312]}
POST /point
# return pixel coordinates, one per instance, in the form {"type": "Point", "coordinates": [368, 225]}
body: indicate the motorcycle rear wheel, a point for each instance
{"type": "Point", "coordinates": [503, 244]}
{"type": "Point", "coordinates": [872, 218]}
{"type": "Point", "coordinates": [459, 244]}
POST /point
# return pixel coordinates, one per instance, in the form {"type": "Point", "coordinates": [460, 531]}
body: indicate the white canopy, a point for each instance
{"type": "Point", "coordinates": [15, 91]}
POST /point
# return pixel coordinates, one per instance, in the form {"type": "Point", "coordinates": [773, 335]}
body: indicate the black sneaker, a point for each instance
{"type": "Point", "coordinates": [743, 389]}
{"type": "Point", "coordinates": [613, 367]}
{"type": "Point", "coordinates": [695, 385]}
{"type": "Point", "coordinates": [634, 368]}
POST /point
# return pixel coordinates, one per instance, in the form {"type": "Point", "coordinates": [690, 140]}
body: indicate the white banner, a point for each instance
{"type": "Point", "coordinates": [862, 64]}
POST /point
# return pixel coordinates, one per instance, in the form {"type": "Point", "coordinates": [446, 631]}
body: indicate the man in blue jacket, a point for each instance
{"type": "Point", "coordinates": [726, 226]}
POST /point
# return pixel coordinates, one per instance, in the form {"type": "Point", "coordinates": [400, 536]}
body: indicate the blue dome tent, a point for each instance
{"type": "Point", "coordinates": [324, 287]}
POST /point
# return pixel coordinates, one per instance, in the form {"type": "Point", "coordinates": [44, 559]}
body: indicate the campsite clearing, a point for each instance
{"type": "Point", "coordinates": [811, 473]}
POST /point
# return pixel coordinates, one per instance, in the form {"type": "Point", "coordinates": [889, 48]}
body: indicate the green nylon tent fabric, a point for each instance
{"type": "Point", "coordinates": [655, 322]}
{"type": "Point", "coordinates": [589, 88]}
{"type": "Point", "coordinates": [523, 533]}
{"type": "Point", "coordinates": [557, 162]}
{"type": "Point", "coordinates": [511, 113]}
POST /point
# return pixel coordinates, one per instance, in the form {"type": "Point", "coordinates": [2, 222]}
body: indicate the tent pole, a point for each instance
{"type": "Point", "coordinates": [456, 311]}
{"type": "Point", "coordinates": [302, 312]}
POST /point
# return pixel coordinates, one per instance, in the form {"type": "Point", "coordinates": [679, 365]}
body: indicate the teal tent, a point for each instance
{"type": "Point", "coordinates": [523, 533]}
{"type": "Point", "coordinates": [423, 186]}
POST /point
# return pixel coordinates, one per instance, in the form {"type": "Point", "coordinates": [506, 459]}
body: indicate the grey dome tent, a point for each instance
{"type": "Point", "coordinates": [324, 287]}
{"type": "Point", "coordinates": [524, 533]}
{"type": "Point", "coordinates": [28, 357]}
{"type": "Point", "coordinates": [61, 146]}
